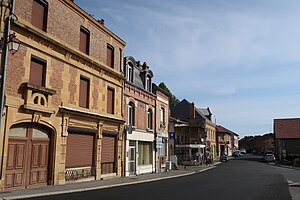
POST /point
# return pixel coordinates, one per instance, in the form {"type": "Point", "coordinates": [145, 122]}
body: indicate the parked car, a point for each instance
{"type": "Point", "coordinates": [243, 151]}
{"type": "Point", "coordinates": [270, 158]}
{"type": "Point", "coordinates": [224, 158]}
{"type": "Point", "coordinates": [236, 153]}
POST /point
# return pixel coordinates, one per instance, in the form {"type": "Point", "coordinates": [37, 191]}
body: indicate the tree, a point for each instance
{"type": "Point", "coordinates": [173, 100]}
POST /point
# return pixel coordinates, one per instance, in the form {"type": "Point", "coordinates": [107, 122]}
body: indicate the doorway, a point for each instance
{"type": "Point", "coordinates": [27, 157]}
{"type": "Point", "coordinates": [131, 157]}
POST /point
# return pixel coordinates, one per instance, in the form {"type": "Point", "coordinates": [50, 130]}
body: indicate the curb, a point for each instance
{"type": "Point", "coordinates": [105, 186]}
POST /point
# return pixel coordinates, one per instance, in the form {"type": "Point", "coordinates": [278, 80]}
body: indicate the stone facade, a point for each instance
{"type": "Point", "coordinates": [55, 105]}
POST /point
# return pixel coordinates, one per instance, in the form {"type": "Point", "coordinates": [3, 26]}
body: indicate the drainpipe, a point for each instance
{"type": "Point", "coordinates": [4, 57]}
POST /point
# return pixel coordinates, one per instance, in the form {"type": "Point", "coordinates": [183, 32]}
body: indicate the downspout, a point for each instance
{"type": "Point", "coordinates": [4, 57]}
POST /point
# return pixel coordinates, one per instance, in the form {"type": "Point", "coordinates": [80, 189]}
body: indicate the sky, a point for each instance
{"type": "Point", "coordinates": [240, 58]}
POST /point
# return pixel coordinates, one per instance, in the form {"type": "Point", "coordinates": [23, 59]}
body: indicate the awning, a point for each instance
{"type": "Point", "coordinates": [193, 146]}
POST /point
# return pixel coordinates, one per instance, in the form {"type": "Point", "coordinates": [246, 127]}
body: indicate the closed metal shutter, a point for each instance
{"type": "Point", "coordinates": [108, 154]}
{"type": "Point", "coordinates": [110, 56]}
{"type": "Point", "coordinates": [110, 100]}
{"type": "Point", "coordinates": [108, 149]}
{"type": "Point", "coordinates": [37, 71]}
{"type": "Point", "coordinates": [38, 14]}
{"type": "Point", "coordinates": [84, 40]}
{"type": "Point", "coordinates": [84, 93]}
{"type": "Point", "coordinates": [79, 150]}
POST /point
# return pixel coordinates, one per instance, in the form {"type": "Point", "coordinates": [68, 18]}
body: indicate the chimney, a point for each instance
{"type": "Point", "coordinates": [192, 111]}
{"type": "Point", "coordinates": [101, 21]}
{"type": "Point", "coordinates": [144, 66]}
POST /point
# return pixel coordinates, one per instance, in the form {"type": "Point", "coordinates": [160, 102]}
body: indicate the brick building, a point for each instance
{"type": "Point", "coordinates": [63, 112]}
{"type": "Point", "coordinates": [139, 114]}
{"type": "Point", "coordinates": [287, 138]}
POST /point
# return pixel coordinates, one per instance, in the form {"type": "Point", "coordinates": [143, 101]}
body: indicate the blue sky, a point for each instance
{"type": "Point", "coordinates": [241, 58]}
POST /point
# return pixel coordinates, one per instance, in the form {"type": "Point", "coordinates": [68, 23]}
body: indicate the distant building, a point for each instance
{"type": "Point", "coordinates": [225, 141]}
{"type": "Point", "coordinates": [287, 138]}
{"type": "Point", "coordinates": [258, 144]}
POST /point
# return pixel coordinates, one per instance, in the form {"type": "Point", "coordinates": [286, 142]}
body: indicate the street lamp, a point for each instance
{"type": "Point", "coordinates": [13, 43]}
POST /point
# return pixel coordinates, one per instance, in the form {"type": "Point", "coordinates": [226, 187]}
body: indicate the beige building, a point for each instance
{"type": "Point", "coordinates": [62, 120]}
{"type": "Point", "coordinates": [162, 128]}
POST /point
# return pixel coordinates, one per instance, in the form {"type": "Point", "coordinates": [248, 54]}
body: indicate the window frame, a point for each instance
{"type": "Point", "coordinates": [150, 119]}
{"type": "Point", "coordinates": [112, 61]}
{"type": "Point", "coordinates": [113, 101]}
{"type": "Point", "coordinates": [87, 97]}
{"type": "Point", "coordinates": [44, 70]}
{"type": "Point", "coordinates": [162, 116]}
{"type": "Point", "coordinates": [85, 31]}
{"type": "Point", "coordinates": [45, 14]}
{"type": "Point", "coordinates": [131, 111]}
{"type": "Point", "coordinates": [129, 73]}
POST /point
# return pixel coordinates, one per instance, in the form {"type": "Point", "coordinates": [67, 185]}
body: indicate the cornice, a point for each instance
{"type": "Point", "coordinates": [63, 49]}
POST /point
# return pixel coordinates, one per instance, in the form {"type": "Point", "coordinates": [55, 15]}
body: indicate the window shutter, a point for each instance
{"type": "Point", "coordinates": [110, 56]}
{"type": "Point", "coordinates": [37, 73]}
{"type": "Point", "coordinates": [108, 149]}
{"type": "Point", "coordinates": [38, 15]}
{"type": "Point", "coordinates": [110, 101]}
{"type": "Point", "coordinates": [79, 150]}
{"type": "Point", "coordinates": [84, 41]}
{"type": "Point", "coordinates": [84, 93]}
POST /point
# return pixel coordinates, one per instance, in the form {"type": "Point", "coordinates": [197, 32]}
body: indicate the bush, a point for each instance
{"type": "Point", "coordinates": [296, 162]}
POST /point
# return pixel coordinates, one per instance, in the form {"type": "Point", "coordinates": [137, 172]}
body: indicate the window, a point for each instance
{"type": "Point", "coordinates": [110, 56]}
{"type": "Point", "coordinates": [145, 153]}
{"type": "Point", "coordinates": [39, 14]}
{"type": "Point", "coordinates": [37, 71]}
{"type": "Point", "coordinates": [121, 58]}
{"type": "Point", "coordinates": [84, 43]}
{"type": "Point", "coordinates": [84, 92]}
{"type": "Point", "coordinates": [130, 114]}
{"type": "Point", "coordinates": [162, 116]}
{"type": "Point", "coordinates": [110, 100]}
{"type": "Point", "coordinates": [129, 72]}
{"type": "Point", "coordinates": [148, 83]}
{"type": "Point", "coordinates": [150, 119]}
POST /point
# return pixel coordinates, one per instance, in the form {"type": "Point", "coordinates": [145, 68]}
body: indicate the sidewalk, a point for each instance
{"type": "Point", "coordinates": [100, 184]}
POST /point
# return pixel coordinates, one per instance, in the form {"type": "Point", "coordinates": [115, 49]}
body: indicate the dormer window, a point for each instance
{"type": "Point", "coordinates": [148, 83]}
{"type": "Point", "coordinates": [129, 72]}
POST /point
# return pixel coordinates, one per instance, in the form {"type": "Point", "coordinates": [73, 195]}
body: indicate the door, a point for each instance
{"type": "Point", "coordinates": [131, 157]}
{"type": "Point", "coordinates": [131, 160]}
{"type": "Point", "coordinates": [27, 158]}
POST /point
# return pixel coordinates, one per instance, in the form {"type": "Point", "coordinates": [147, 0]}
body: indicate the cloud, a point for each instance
{"type": "Point", "coordinates": [225, 91]}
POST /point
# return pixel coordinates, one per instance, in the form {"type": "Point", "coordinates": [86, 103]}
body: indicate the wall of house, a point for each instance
{"type": "Point", "coordinates": [64, 66]}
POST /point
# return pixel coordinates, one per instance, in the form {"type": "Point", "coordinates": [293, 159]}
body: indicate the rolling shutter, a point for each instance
{"type": "Point", "coordinates": [37, 71]}
{"type": "Point", "coordinates": [108, 149]}
{"type": "Point", "coordinates": [110, 56]}
{"type": "Point", "coordinates": [38, 14]}
{"type": "Point", "coordinates": [79, 150]}
{"type": "Point", "coordinates": [84, 93]}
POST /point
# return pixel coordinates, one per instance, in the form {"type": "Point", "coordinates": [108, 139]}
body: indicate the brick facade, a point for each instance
{"type": "Point", "coordinates": [55, 106]}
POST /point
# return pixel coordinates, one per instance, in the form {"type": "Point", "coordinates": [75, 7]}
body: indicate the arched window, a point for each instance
{"type": "Point", "coordinates": [130, 119]}
{"type": "Point", "coordinates": [129, 72]}
{"type": "Point", "coordinates": [150, 119]}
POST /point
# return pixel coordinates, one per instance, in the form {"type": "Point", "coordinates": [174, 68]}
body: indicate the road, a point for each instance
{"type": "Point", "coordinates": [246, 178]}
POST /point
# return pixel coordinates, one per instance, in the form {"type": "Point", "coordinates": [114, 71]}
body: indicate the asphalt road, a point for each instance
{"type": "Point", "coordinates": [246, 178]}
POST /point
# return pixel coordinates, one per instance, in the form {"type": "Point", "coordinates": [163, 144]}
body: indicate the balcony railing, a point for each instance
{"type": "Point", "coordinates": [38, 98]}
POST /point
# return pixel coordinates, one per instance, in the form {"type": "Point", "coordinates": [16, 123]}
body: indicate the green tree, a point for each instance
{"type": "Point", "coordinates": [173, 100]}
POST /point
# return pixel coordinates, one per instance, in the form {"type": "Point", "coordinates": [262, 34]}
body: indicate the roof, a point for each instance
{"type": "Point", "coordinates": [222, 129]}
{"type": "Point", "coordinates": [287, 128]}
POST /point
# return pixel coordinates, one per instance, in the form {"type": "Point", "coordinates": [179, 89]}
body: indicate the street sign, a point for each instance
{"type": "Point", "coordinates": [159, 141]}
{"type": "Point", "coordinates": [172, 135]}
